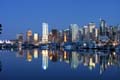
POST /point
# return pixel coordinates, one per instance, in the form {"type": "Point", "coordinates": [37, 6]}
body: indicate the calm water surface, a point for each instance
{"type": "Point", "coordinates": [59, 65]}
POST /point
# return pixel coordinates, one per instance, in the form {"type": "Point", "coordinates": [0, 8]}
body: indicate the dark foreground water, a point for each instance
{"type": "Point", "coordinates": [59, 65]}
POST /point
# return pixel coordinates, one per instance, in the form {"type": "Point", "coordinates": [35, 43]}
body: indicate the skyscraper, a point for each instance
{"type": "Point", "coordinates": [20, 37]}
{"type": "Point", "coordinates": [66, 35]}
{"type": "Point", "coordinates": [44, 32]}
{"type": "Point", "coordinates": [36, 38]}
{"type": "Point", "coordinates": [20, 40]}
{"type": "Point", "coordinates": [29, 36]}
{"type": "Point", "coordinates": [102, 27]}
{"type": "Point", "coordinates": [85, 33]}
{"type": "Point", "coordinates": [91, 34]}
{"type": "Point", "coordinates": [96, 33]}
{"type": "Point", "coordinates": [91, 27]}
{"type": "Point", "coordinates": [118, 33]}
{"type": "Point", "coordinates": [74, 30]}
{"type": "Point", "coordinates": [54, 35]}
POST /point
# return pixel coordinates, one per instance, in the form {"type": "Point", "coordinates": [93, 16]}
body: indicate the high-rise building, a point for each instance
{"type": "Point", "coordinates": [29, 36]}
{"type": "Point", "coordinates": [20, 40]}
{"type": "Point", "coordinates": [66, 35]}
{"type": "Point", "coordinates": [50, 37]}
{"type": "Point", "coordinates": [81, 34]}
{"type": "Point", "coordinates": [74, 30]}
{"type": "Point", "coordinates": [96, 33]}
{"type": "Point", "coordinates": [118, 33]}
{"type": "Point", "coordinates": [91, 27]}
{"type": "Point", "coordinates": [44, 32]}
{"type": "Point", "coordinates": [60, 37]}
{"type": "Point", "coordinates": [85, 33]}
{"type": "Point", "coordinates": [54, 35]}
{"type": "Point", "coordinates": [20, 37]}
{"type": "Point", "coordinates": [102, 27]}
{"type": "Point", "coordinates": [44, 59]}
{"type": "Point", "coordinates": [36, 38]}
{"type": "Point", "coordinates": [91, 34]}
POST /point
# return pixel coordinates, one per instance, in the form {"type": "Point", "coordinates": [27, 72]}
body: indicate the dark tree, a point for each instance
{"type": "Point", "coordinates": [0, 28]}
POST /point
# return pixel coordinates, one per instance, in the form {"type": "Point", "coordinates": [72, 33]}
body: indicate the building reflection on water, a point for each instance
{"type": "Point", "coordinates": [73, 58]}
{"type": "Point", "coordinates": [44, 59]}
{"type": "Point", "coordinates": [0, 66]}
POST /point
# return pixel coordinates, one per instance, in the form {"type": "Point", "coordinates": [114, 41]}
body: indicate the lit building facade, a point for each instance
{"type": "Point", "coordinates": [45, 33]}
{"type": "Point", "coordinates": [74, 30]}
{"type": "Point", "coordinates": [36, 38]}
{"type": "Point", "coordinates": [66, 35]}
{"type": "Point", "coordinates": [29, 36]}
{"type": "Point", "coordinates": [102, 27]}
{"type": "Point", "coordinates": [54, 35]}
{"type": "Point", "coordinates": [91, 27]}
{"type": "Point", "coordinates": [20, 38]}
{"type": "Point", "coordinates": [85, 33]}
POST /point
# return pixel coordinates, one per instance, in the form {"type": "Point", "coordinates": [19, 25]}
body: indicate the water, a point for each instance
{"type": "Point", "coordinates": [59, 65]}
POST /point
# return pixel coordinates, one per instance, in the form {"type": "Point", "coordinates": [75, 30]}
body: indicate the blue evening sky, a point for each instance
{"type": "Point", "coordinates": [20, 15]}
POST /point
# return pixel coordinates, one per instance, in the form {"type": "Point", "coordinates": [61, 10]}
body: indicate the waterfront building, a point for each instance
{"type": "Point", "coordinates": [74, 31]}
{"type": "Point", "coordinates": [54, 35]}
{"type": "Point", "coordinates": [118, 33]}
{"type": "Point", "coordinates": [66, 35]}
{"type": "Point", "coordinates": [85, 33]}
{"type": "Point", "coordinates": [29, 36]}
{"type": "Point", "coordinates": [81, 34]}
{"type": "Point", "coordinates": [50, 37]}
{"type": "Point", "coordinates": [20, 38]}
{"type": "Point", "coordinates": [60, 36]}
{"type": "Point", "coordinates": [36, 38]}
{"type": "Point", "coordinates": [96, 34]}
{"type": "Point", "coordinates": [91, 27]}
{"type": "Point", "coordinates": [44, 32]}
{"type": "Point", "coordinates": [102, 27]}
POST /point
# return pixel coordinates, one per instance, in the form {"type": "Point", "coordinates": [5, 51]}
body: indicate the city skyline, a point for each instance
{"type": "Point", "coordinates": [27, 14]}
{"type": "Point", "coordinates": [59, 39]}
{"type": "Point", "coordinates": [73, 38]}
{"type": "Point", "coordinates": [44, 25]}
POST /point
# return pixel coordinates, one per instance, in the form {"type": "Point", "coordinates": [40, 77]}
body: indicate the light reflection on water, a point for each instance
{"type": "Point", "coordinates": [93, 60]}
{"type": "Point", "coordinates": [74, 58]}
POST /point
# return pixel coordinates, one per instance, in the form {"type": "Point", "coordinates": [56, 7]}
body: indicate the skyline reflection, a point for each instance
{"type": "Point", "coordinates": [74, 59]}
